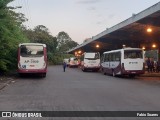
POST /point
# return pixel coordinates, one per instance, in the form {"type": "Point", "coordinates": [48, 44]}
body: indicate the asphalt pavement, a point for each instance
{"type": "Point", "coordinates": [5, 81]}
{"type": "Point", "coordinates": [75, 90]}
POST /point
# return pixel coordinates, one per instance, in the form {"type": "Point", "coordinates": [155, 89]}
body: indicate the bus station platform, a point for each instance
{"type": "Point", "coordinates": [150, 74]}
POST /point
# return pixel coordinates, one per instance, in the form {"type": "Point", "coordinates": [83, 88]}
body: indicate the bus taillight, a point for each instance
{"type": "Point", "coordinates": [44, 65]}
{"type": "Point", "coordinates": [19, 65]}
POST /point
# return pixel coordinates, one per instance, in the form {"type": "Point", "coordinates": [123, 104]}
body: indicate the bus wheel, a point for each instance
{"type": "Point", "coordinates": [83, 69]}
{"type": "Point", "coordinates": [104, 73]}
{"type": "Point", "coordinates": [43, 74]}
{"type": "Point", "coordinates": [132, 76]}
{"type": "Point", "coordinates": [95, 70]}
{"type": "Point", "coordinates": [21, 74]}
{"type": "Point", "coordinates": [113, 73]}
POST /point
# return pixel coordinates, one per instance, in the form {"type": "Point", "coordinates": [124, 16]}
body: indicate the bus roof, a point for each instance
{"type": "Point", "coordinates": [44, 45]}
{"type": "Point", "coordinates": [122, 49]}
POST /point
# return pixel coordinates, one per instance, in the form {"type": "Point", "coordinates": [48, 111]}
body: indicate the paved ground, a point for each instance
{"type": "Point", "coordinates": [75, 90]}
{"type": "Point", "coordinates": [5, 81]}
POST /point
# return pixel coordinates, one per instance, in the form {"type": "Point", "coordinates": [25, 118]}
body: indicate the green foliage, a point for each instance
{"type": "Point", "coordinates": [40, 34]}
{"type": "Point", "coordinates": [3, 3]}
{"type": "Point", "coordinates": [65, 42]}
{"type": "Point", "coordinates": [10, 37]}
{"type": "Point", "coordinates": [57, 58]}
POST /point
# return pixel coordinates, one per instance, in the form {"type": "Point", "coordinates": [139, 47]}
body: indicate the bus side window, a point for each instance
{"type": "Point", "coordinates": [117, 56]}
{"type": "Point", "coordinates": [105, 57]}
{"type": "Point", "coordinates": [102, 58]}
{"type": "Point", "coordinates": [113, 56]}
{"type": "Point", "coordinates": [110, 57]}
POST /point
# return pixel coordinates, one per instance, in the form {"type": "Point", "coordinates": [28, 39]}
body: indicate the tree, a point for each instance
{"type": "Point", "coordinates": [65, 42]}
{"type": "Point", "coordinates": [41, 29]}
{"type": "Point", "coordinates": [40, 34]}
{"type": "Point", "coordinates": [10, 36]}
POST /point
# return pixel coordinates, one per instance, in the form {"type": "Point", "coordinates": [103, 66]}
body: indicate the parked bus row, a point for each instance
{"type": "Point", "coordinates": [127, 61]}
{"type": "Point", "coordinates": [87, 61]}
{"type": "Point", "coordinates": [32, 58]}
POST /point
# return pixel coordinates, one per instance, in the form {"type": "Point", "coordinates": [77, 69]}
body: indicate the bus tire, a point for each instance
{"type": "Point", "coordinates": [83, 69]}
{"type": "Point", "coordinates": [103, 72]}
{"type": "Point", "coordinates": [132, 76]}
{"type": "Point", "coordinates": [95, 70]}
{"type": "Point", "coordinates": [21, 74]}
{"type": "Point", "coordinates": [43, 74]}
{"type": "Point", "coordinates": [113, 73]}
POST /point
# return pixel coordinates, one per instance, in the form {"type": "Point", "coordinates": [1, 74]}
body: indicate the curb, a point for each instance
{"type": "Point", "coordinates": [3, 85]}
{"type": "Point", "coordinates": [150, 75]}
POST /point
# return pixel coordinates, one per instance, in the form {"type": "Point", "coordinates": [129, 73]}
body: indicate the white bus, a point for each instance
{"type": "Point", "coordinates": [127, 61]}
{"type": "Point", "coordinates": [32, 58]}
{"type": "Point", "coordinates": [73, 62]}
{"type": "Point", "coordinates": [90, 61]}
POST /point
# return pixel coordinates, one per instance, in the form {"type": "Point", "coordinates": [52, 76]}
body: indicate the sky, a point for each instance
{"type": "Point", "coordinates": [81, 19]}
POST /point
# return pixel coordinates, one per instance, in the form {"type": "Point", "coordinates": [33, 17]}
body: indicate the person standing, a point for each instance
{"type": "Point", "coordinates": [64, 66]}
{"type": "Point", "coordinates": [158, 66]}
{"type": "Point", "coordinates": [148, 64]}
{"type": "Point", "coordinates": [151, 65]}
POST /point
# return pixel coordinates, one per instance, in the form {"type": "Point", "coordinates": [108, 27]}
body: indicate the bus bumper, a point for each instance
{"type": "Point", "coordinates": [32, 71]}
{"type": "Point", "coordinates": [92, 68]}
{"type": "Point", "coordinates": [133, 72]}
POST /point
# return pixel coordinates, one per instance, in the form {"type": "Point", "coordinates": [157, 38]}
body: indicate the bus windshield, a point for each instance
{"type": "Point", "coordinates": [92, 56]}
{"type": "Point", "coordinates": [31, 51]}
{"type": "Point", "coordinates": [73, 59]}
{"type": "Point", "coordinates": [133, 54]}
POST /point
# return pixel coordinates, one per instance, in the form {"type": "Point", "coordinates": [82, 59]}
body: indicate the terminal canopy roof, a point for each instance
{"type": "Point", "coordinates": [131, 33]}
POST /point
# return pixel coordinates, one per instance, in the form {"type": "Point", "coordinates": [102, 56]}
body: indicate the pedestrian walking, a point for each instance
{"type": "Point", "coordinates": [64, 66]}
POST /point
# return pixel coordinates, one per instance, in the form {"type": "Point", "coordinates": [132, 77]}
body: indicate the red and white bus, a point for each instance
{"type": "Point", "coordinates": [32, 58]}
{"type": "Point", "coordinates": [127, 61]}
